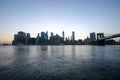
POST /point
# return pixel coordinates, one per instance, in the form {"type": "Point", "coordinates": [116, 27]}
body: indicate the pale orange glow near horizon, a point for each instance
{"type": "Point", "coordinates": [6, 40]}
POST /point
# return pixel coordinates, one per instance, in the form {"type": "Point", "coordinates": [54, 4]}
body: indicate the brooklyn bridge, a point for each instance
{"type": "Point", "coordinates": [101, 38]}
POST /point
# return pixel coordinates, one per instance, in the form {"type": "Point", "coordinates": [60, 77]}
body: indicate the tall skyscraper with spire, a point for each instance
{"type": "Point", "coordinates": [63, 35]}
{"type": "Point", "coordinates": [73, 37]}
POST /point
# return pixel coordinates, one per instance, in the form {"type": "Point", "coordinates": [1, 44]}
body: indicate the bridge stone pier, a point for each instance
{"type": "Point", "coordinates": [102, 41]}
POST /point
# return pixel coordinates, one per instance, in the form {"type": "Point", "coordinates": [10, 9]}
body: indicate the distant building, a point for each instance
{"type": "Point", "coordinates": [15, 41]}
{"type": "Point", "coordinates": [63, 35]}
{"type": "Point", "coordinates": [19, 39]}
{"type": "Point", "coordinates": [52, 34]}
{"type": "Point", "coordinates": [92, 36]}
{"type": "Point", "coordinates": [87, 40]}
{"type": "Point", "coordinates": [110, 42]}
{"type": "Point", "coordinates": [37, 40]}
{"type": "Point", "coordinates": [43, 37]}
{"type": "Point", "coordinates": [57, 39]}
{"type": "Point", "coordinates": [27, 39]}
{"type": "Point", "coordinates": [51, 38]}
{"type": "Point", "coordinates": [80, 42]}
{"type": "Point", "coordinates": [46, 38]}
{"type": "Point", "coordinates": [73, 37]}
{"type": "Point", "coordinates": [67, 41]}
{"type": "Point", "coordinates": [32, 41]}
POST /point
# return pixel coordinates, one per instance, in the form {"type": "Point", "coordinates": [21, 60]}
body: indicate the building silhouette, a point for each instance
{"type": "Point", "coordinates": [27, 39]}
{"type": "Point", "coordinates": [43, 37]}
{"type": "Point", "coordinates": [23, 38]}
{"type": "Point", "coordinates": [19, 38]}
{"type": "Point", "coordinates": [86, 41]}
{"type": "Point", "coordinates": [63, 36]}
{"type": "Point", "coordinates": [37, 40]}
{"type": "Point", "coordinates": [73, 38]}
{"type": "Point", "coordinates": [100, 35]}
{"type": "Point", "coordinates": [92, 36]}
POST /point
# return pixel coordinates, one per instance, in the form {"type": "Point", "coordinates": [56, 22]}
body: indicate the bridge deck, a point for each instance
{"type": "Point", "coordinates": [112, 36]}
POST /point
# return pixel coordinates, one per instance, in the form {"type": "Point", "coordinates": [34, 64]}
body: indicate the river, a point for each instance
{"type": "Point", "coordinates": [78, 62]}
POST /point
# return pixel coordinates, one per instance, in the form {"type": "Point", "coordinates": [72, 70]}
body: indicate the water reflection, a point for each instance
{"type": "Point", "coordinates": [6, 55]}
{"type": "Point", "coordinates": [73, 52]}
{"type": "Point", "coordinates": [44, 52]}
{"type": "Point", "coordinates": [21, 55]}
{"type": "Point", "coordinates": [63, 54]}
{"type": "Point", "coordinates": [59, 63]}
{"type": "Point", "coordinates": [44, 48]}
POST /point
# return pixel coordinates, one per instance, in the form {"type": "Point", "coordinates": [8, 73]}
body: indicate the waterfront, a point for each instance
{"type": "Point", "coordinates": [79, 62]}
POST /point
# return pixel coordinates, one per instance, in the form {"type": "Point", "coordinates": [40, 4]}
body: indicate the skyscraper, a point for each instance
{"type": "Point", "coordinates": [43, 36]}
{"type": "Point", "coordinates": [51, 34]}
{"type": "Point", "coordinates": [63, 35]}
{"type": "Point", "coordinates": [27, 39]}
{"type": "Point", "coordinates": [21, 37]}
{"type": "Point", "coordinates": [15, 37]}
{"type": "Point", "coordinates": [92, 36]}
{"type": "Point", "coordinates": [37, 41]}
{"type": "Point", "coordinates": [46, 35]}
{"type": "Point", "coordinates": [15, 41]}
{"type": "Point", "coordinates": [51, 38]}
{"type": "Point", "coordinates": [73, 37]}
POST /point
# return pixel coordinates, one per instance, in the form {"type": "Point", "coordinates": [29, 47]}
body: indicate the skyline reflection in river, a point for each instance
{"type": "Point", "coordinates": [59, 62]}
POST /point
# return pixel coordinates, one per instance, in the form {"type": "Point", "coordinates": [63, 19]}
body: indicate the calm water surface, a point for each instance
{"type": "Point", "coordinates": [60, 62]}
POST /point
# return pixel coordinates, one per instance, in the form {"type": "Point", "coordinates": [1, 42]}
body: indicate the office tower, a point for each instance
{"type": "Point", "coordinates": [73, 37]}
{"type": "Point", "coordinates": [43, 36]}
{"type": "Point", "coordinates": [27, 39]}
{"type": "Point", "coordinates": [80, 41]}
{"type": "Point", "coordinates": [15, 37]}
{"type": "Point", "coordinates": [92, 36]}
{"type": "Point", "coordinates": [51, 37]}
{"type": "Point", "coordinates": [21, 37]}
{"type": "Point", "coordinates": [15, 41]}
{"type": "Point", "coordinates": [57, 38]}
{"type": "Point", "coordinates": [63, 35]}
{"type": "Point", "coordinates": [52, 34]}
{"type": "Point", "coordinates": [37, 41]}
{"type": "Point", "coordinates": [87, 40]}
{"type": "Point", "coordinates": [46, 35]}
{"type": "Point", "coordinates": [46, 38]}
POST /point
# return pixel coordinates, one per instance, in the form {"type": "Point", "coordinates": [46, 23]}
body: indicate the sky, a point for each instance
{"type": "Point", "coordinates": [81, 16]}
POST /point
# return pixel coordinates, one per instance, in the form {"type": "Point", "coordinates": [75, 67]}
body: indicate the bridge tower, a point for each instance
{"type": "Point", "coordinates": [99, 36]}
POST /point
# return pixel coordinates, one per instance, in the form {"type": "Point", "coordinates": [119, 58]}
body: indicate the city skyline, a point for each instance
{"type": "Point", "coordinates": [23, 38]}
{"type": "Point", "coordinates": [81, 16]}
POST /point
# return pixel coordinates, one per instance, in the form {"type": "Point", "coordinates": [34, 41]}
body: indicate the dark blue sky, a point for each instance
{"type": "Point", "coordinates": [82, 16]}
